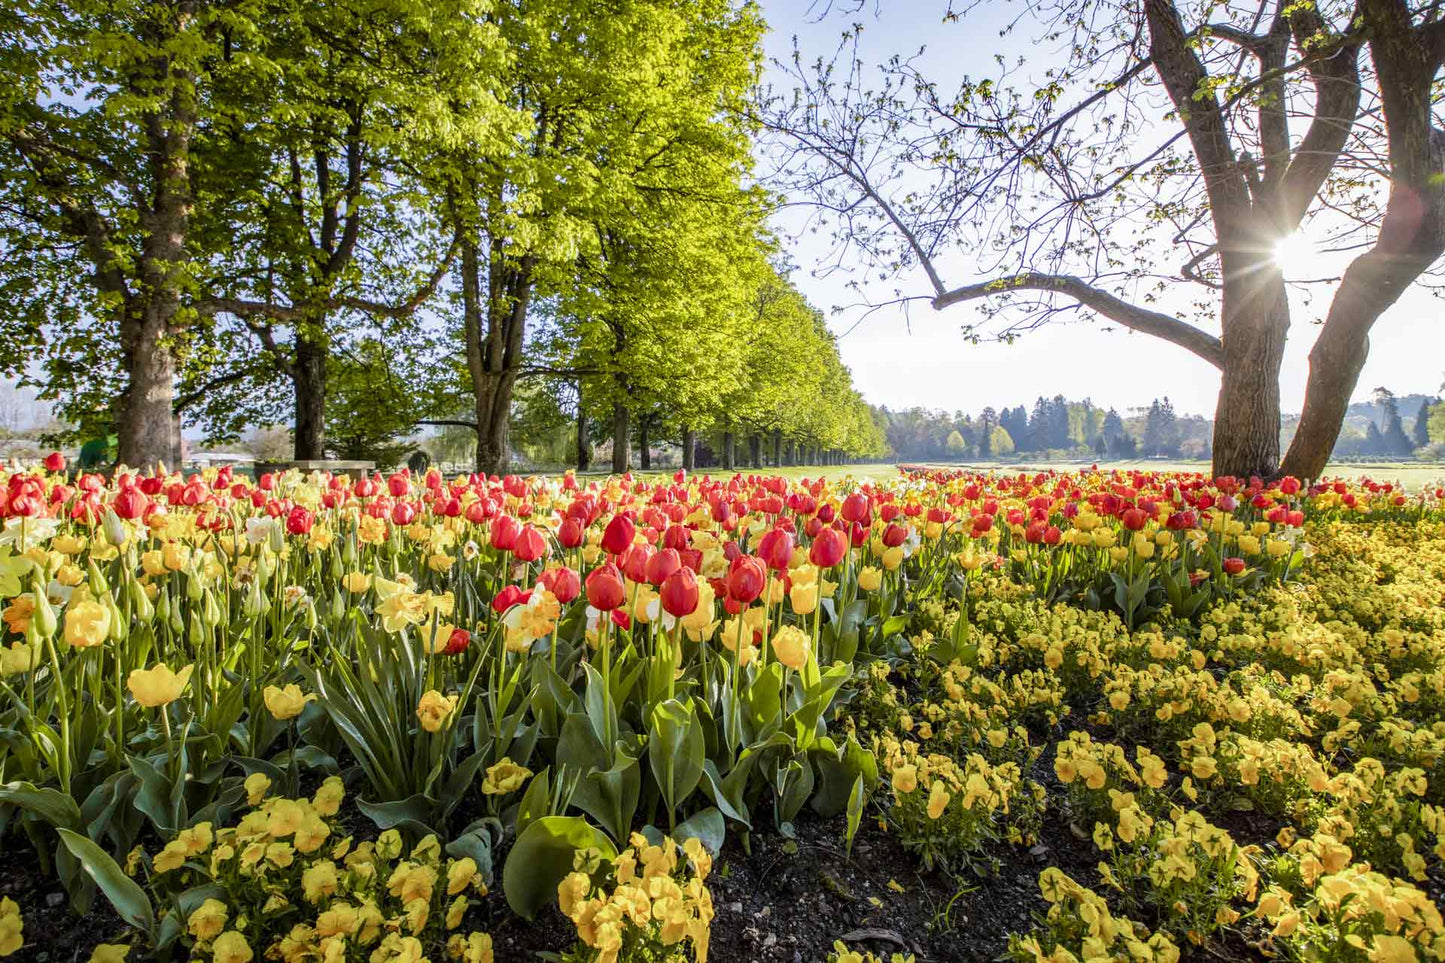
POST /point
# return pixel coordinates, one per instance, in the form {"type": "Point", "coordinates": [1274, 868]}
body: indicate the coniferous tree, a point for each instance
{"type": "Point", "coordinates": [1420, 434]}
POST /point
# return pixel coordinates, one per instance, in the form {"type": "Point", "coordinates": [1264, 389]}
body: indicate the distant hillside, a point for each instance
{"type": "Point", "coordinates": [1360, 414]}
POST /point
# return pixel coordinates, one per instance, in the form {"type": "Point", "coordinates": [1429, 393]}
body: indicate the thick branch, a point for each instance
{"type": "Point", "coordinates": [1131, 316]}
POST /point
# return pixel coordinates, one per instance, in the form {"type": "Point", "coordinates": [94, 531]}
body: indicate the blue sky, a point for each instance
{"type": "Point", "coordinates": [930, 364]}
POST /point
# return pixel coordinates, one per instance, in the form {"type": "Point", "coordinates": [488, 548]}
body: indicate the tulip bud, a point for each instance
{"type": "Point", "coordinates": [43, 619]}
{"type": "Point", "coordinates": [173, 608]}
{"type": "Point", "coordinates": [119, 625]}
{"type": "Point", "coordinates": [210, 610]}
{"type": "Point", "coordinates": [348, 552]}
{"type": "Point", "coordinates": [143, 609]}
{"type": "Point", "coordinates": [255, 602]}
{"type": "Point", "coordinates": [338, 605]}
{"type": "Point", "coordinates": [194, 589]}
{"type": "Point", "coordinates": [275, 538]}
{"type": "Point", "coordinates": [99, 587]}
{"type": "Point", "coordinates": [114, 528]}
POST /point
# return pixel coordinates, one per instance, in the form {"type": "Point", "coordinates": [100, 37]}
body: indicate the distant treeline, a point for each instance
{"type": "Point", "coordinates": [1053, 426]}
{"type": "Point", "coordinates": [1388, 426]}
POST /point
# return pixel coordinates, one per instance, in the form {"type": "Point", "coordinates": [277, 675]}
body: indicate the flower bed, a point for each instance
{"type": "Point", "coordinates": [325, 718]}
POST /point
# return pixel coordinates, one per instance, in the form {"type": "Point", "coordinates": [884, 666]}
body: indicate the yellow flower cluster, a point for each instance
{"type": "Point", "coordinates": [652, 896]}
{"type": "Point", "coordinates": [352, 897]}
{"type": "Point", "coordinates": [1079, 926]}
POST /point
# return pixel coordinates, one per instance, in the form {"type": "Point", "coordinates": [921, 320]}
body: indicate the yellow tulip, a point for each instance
{"type": "Point", "coordinates": [158, 685]}
{"type": "Point", "coordinates": [87, 624]}
{"type": "Point", "coordinates": [434, 709]}
{"type": "Point", "coordinates": [792, 647]}
{"type": "Point", "coordinates": [869, 578]}
{"type": "Point", "coordinates": [286, 703]}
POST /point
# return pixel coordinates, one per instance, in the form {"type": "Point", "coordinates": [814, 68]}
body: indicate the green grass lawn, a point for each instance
{"type": "Point", "coordinates": [1411, 474]}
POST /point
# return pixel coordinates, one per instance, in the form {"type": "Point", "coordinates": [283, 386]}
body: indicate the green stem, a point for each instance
{"type": "Point", "coordinates": [64, 768]}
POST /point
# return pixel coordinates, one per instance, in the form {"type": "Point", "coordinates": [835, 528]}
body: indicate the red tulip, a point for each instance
{"type": "Point", "coordinates": [530, 545]}
{"type": "Point", "coordinates": [661, 565]}
{"type": "Point", "coordinates": [129, 504]}
{"type": "Point", "coordinates": [564, 583]}
{"type": "Point", "coordinates": [55, 462]}
{"type": "Point", "coordinates": [745, 579]}
{"type": "Point", "coordinates": [571, 533]}
{"type": "Point", "coordinates": [828, 548]}
{"type": "Point", "coordinates": [399, 485]}
{"type": "Point", "coordinates": [856, 508]}
{"type": "Point", "coordinates": [895, 535]}
{"type": "Point", "coordinates": [775, 548]}
{"type": "Point", "coordinates": [1134, 519]}
{"type": "Point", "coordinates": [402, 513]}
{"type": "Point", "coordinates": [509, 596]}
{"type": "Point", "coordinates": [618, 535]}
{"type": "Point", "coordinates": [633, 561]}
{"type": "Point", "coordinates": [458, 642]}
{"type": "Point", "coordinates": [505, 530]}
{"type": "Point", "coordinates": [1233, 566]}
{"type": "Point", "coordinates": [679, 593]}
{"type": "Point", "coordinates": [299, 521]}
{"type": "Point", "coordinates": [604, 587]}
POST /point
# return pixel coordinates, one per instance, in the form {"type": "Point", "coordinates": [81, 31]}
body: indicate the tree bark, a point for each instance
{"type": "Point", "coordinates": [494, 355]}
{"type": "Point", "coordinates": [644, 444]}
{"type": "Point", "coordinates": [308, 377]}
{"type": "Point", "coordinates": [584, 444]}
{"type": "Point", "coordinates": [145, 429]}
{"type": "Point", "coordinates": [755, 451]}
{"type": "Point", "coordinates": [1411, 238]}
{"type": "Point", "coordinates": [620, 442]}
{"type": "Point", "coordinates": [689, 449]}
{"type": "Point", "coordinates": [777, 448]}
{"type": "Point", "coordinates": [1247, 416]}
{"type": "Point", "coordinates": [729, 452]}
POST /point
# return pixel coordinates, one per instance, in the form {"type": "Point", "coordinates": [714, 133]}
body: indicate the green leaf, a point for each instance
{"type": "Point", "coordinates": [536, 801]}
{"type": "Point", "coordinates": [675, 751]}
{"type": "Point", "coordinates": [856, 799]}
{"type": "Point", "coordinates": [542, 858]}
{"type": "Point", "coordinates": [129, 900]}
{"type": "Point", "coordinates": [51, 805]}
{"type": "Point", "coordinates": [707, 826]}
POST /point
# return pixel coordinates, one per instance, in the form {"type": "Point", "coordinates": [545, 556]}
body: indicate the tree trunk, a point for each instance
{"type": "Point", "coordinates": [620, 442]}
{"type": "Point", "coordinates": [494, 355]}
{"type": "Point", "coordinates": [644, 444]}
{"type": "Point", "coordinates": [1255, 324]}
{"type": "Point", "coordinates": [755, 451]}
{"type": "Point", "coordinates": [777, 449]}
{"type": "Point", "coordinates": [145, 423]}
{"type": "Point", "coordinates": [729, 452]}
{"type": "Point", "coordinates": [308, 378]}
{"type": "Point", "coordinates": [584, 444]}
{"type": "Point", "coordinates": [494, 404]}
{"type": "Point", "coordinates": [1411, 238]}
{"type": "Point", "coordinates": [689, 449]}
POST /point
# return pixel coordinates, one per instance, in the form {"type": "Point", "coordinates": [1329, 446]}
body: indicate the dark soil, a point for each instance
{"type": "Point", "coordinates": [53, 933]}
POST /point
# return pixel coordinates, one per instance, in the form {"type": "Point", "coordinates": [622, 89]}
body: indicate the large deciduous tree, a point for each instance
{"type": "Point", "coordinates": [622, 102]}
{"type": "Point", "coordinates": [1093, 192]}
{"type": "Point", "coordinates": [102, 103]}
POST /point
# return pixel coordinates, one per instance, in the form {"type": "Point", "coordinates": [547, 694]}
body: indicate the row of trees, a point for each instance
{"type": "Point", "coordinates": [1148, 178]}
{"type": "Point", "coordinates": [1054, 427]}
{"type": "Point", "coordinates": [358, 217]}
{"type": "Point", "coordinates": [1388, 437]}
